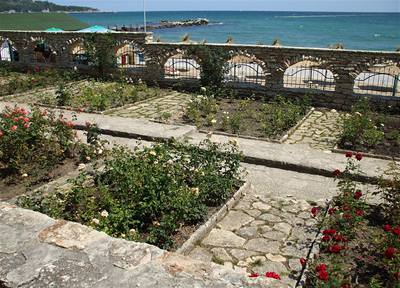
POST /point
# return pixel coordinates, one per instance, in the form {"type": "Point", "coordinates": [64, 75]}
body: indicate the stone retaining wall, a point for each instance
{"type": "Point", "coordinates": [344, 65]}
{"type": "Point", "coordinates": [38, 251]}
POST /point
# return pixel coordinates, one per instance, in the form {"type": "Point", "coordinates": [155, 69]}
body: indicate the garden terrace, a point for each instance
{"type": "Point", "coordinates": [90, 95]}
{"type": "Point", "coordinates": [332, 78]}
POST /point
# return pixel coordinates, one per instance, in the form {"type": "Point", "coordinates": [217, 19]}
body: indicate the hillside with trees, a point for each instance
{"type": "Point", "coordinates": [38, 6]}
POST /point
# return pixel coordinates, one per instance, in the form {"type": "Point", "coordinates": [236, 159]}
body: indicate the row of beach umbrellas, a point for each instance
{"type": "Point", "coordinates": [95, 28]}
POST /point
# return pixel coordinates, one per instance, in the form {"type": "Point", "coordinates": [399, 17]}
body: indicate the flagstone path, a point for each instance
{"type": "Point", "coordinates": [320, 130]}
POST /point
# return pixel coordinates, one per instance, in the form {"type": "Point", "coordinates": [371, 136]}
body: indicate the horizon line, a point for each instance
{"type": "Point", "coordinates": [313, 11]}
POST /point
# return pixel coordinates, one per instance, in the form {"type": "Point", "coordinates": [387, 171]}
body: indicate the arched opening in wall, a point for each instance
{"type": "Point", "coordinates": [8, 52]}
{"type": "Point", "coordinates": [381, 80]}
{"type": "Point", "coordinates": [79, 54]}
{"type": "Point", "coordinates": [129, 56]}
{"type": "Point", "coordinates": [307, 75]}
{"type": "Point", "coordinates": [181, 67]}
{"type": "Point", "coordinates": [246, 70]}
{"type": "Point", "coordinates": [43, 53]}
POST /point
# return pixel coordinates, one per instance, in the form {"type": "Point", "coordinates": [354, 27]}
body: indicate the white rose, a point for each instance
{"type": "Point", "coordinates": [95, 221]}
{"type": "Point", "coordinates": [81, 166]}
{"type": "Point", "coordinates": [104, 214]}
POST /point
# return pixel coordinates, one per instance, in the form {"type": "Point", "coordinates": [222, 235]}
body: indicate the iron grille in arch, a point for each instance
{"type": "Point", "coordinates": [129, 56]}
{"type": "Point", "coordinates": [298, 77]}
{"type": "Point", "coordinates": [8, 52]}
{"type": "Point", "coordinates": [379, 80]}
{"type": "Point", "coordinates": [181, 67]}
{"type": "Point", "coordinates": [244, 70]}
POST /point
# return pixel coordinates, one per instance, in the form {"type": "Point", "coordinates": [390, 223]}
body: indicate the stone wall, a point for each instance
{"type": "Point", "coordinates": [38, 251]}
{"type": "Point", "coordinates": [343, 65]}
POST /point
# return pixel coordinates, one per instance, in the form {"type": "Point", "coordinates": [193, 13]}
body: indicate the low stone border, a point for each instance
{"type": "Point", "coordinates": [281, 140]}
{"type": "Point", "coordinates": [371, 155]}
{"type": "Point", "coordinates": [204, 229]}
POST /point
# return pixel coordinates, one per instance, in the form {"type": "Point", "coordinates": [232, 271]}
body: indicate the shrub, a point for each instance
{"type": "Point", "coordinates": [389, 191]}
{"type": "Point", "coordinates": [148, 194]}
{"type": "Point", "coordinates": [30, 141]}
{"type": "Point", "coordinates": [281, 114]}
{"type": "Point", "coordinates": [363, 128]}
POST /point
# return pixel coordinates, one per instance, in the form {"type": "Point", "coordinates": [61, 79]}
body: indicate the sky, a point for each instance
{"type": "Point", "coordinates": [251, 5]}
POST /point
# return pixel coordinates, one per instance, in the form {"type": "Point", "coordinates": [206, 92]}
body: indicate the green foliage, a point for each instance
{"type": "Point", "coordinates": [214, 65]}
{"type": "Point", "coordinates": [18, 82]}
{"type": "Point", "coordinates": [272, 118]}
{"type": "Point", "coordinates": [30, 141]}
{"type": "Point", "coordinates": [389, 192]}
{"type": "Point", "coordinates": [364, 128]}
{"type": "Point", "coordinates": [63, 96]}
{"type": "Point", "coordinates": [281, 114]}
{"type": "Point", "coordinates": [100, 51]}
{"type": "Point", "coordinates": [38, 6]}
{"type": "Point", "coordinates": [148, 194]}
{"type": "Point", "coordinates": [39, 21]}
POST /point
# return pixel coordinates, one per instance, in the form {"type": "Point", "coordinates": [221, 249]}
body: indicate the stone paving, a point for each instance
{"type": "Point", "coordinates": [167, 109]}
{"type": "Point", "coordinates": [321, 130]}
{"type": "Point", "coordinates": [262, 234]}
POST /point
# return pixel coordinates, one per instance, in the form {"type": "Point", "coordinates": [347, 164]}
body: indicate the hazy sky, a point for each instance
{"type": "Point", "coordinates": [265, 5]}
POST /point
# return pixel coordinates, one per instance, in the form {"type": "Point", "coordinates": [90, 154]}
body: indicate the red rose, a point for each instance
{"type": "Point", "coordinates": [14, 127]}
{"type": "Point", "coordinates": [303, 261]}
{"type": "Point", "coordinates": [314, 211]}
{"type": "Point", "coordinates": [323, 275]}
{"type": "Point", "coordinates": [396, 230]}
{"type": "Point", "coordinates": [340, 238]}
{"type": "Point", "coordinates": [329, 232]}
{"type": "Point", "coordinates": [272, 275]}
{"type": "Point", "coordinates": [359, 212]}
{"type": "Point", "coordinates": [357, 194]}
{"type": "Point", "coordinates": [389, 253]}
{"type": "Point", "coordinates": [331, 211]}
{"type": "Point", "coordinates": [335, 248]}
{"type": "Point", "coordinates": [347, 216]}
{"type": "Point", "coordinates": [254, 275]}
{"type": "Point", "coordinates": [26, 119]}
{"type": "Point", "coordinates": [326, 238]}
{"type": "Point", "coordinates": [345, 286]}
{"type": "Point", "coordinates": [387, 228]}
{"type": "Point", "coordinates": [320, 267]}
{"type": "Point", "coordinates": [337, 173]}
{"type": "Point", "coordinates": [26, 125]}
{"type": "Point", "coordinates": [1, 133]}
{"type": "Point", "coordinates": [349, 154]}
{"type": "Point", "coordinates": [359, 156]}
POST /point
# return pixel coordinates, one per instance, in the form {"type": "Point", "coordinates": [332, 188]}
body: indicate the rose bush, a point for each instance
{"type": "Point", "coordinates": [150, 193]}
{"type": "Point", "coordinates": [355, 250]}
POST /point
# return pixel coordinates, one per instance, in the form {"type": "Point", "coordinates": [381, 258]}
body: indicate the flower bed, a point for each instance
{"type": "Point", "coordinates": [246, 117]}
{"type": "Point", "coordinates": [91, 95]}
{"type": "Point", "coordinates": [158, 195]}
{"type": "Point", "coordinates": [360, 241]}
{"type": "Point", "coordinates": [12, 82]}
{"type": "Point", "coordinates": [368, 131]}
{"type": "Point", "coordinates": [35, 146]}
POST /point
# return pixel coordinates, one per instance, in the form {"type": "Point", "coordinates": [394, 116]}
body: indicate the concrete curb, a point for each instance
{"type": "Point", "coordinates": [204, 229]}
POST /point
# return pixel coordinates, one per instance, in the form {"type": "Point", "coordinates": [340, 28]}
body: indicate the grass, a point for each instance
{"type": "Point", "coordinates": [39, 21]}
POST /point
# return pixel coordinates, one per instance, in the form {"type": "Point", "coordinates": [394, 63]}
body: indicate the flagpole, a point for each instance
{"type": "Point", "coordinates": [144, 16]}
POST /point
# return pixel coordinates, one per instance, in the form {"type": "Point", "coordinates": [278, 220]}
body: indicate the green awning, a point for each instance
{"type": "Point", "coordinates": [54, 29]}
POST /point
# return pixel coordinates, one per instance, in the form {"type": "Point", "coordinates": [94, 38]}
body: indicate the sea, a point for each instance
{"type": "Point", "coordinates": [363, 31]}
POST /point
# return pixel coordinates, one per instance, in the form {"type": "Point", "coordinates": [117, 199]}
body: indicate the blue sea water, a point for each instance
{"type": "Point", "coordinates": [366, 31]}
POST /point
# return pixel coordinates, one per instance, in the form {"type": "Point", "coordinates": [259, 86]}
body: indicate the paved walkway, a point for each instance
{"type": "Point", "coordinates": [167, 108]}
{"type": "Point", "coordinates": [321, 130]}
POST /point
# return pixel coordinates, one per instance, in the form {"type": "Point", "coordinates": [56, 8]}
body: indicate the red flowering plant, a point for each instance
{"type": "Point", "coordinates": [33, 142]}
